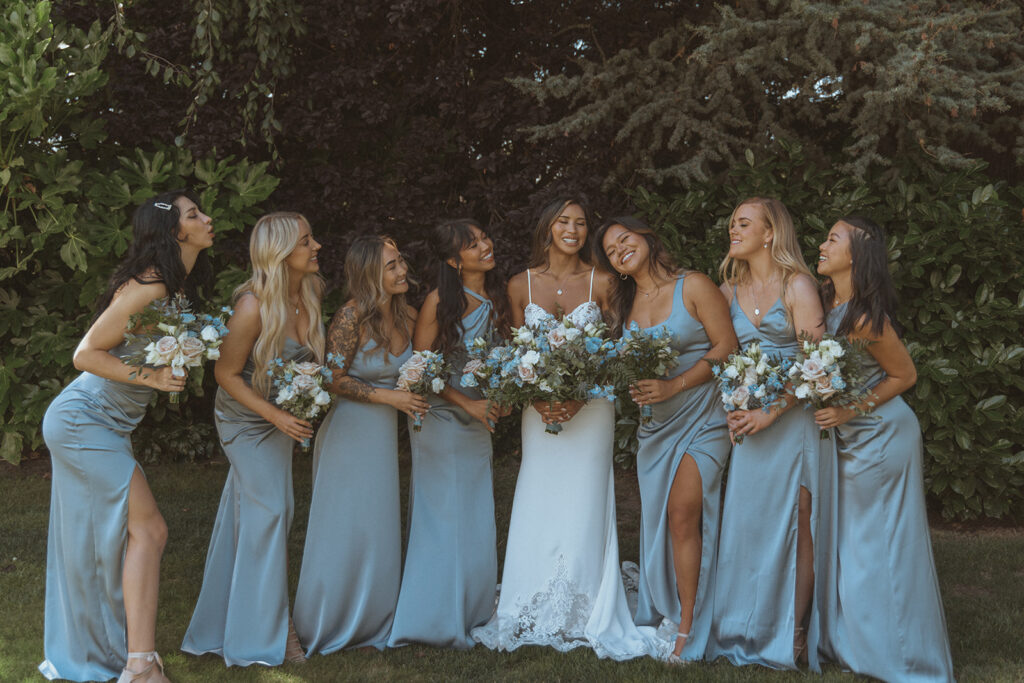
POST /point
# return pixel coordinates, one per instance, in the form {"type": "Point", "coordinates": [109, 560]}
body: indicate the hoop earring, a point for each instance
{"type": "Point", "coordinates": [623, 276]}
{"type": "Point", "coordinates": [459, 270]}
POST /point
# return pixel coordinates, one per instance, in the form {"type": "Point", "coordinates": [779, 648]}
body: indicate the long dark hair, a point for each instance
{"type": "Point", "coordinates": [154, 254]}
{"type": "Point", "coordinates": [542, 233]}
{"type": "Point", "coordinates": [873, 299]}
{"type": "Point", "coordinates": [449, 239]}
{"type": "Point", "coordinates": [624, 289]}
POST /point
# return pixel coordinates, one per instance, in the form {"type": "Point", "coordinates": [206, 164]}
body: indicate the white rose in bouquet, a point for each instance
{"type": "Point", "coordinates": [527, 373]}
{"type": "Point", "coordinates": [740, 396]}
{"type": "Point", "coordinates": [307, 368]}
{"type": "Point", "coordinates": [162, 351]}
{"type": "Point", "coordinates": [192, 348]}
{"type": "Point", "coordinates": [304, 383]}
{"type": "Point", "coordinates": [209, 333]}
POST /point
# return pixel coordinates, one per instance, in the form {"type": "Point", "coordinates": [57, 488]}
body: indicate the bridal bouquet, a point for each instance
{"type": "Point", "coordinates": [559, 362]}
{"type": "Point", "coordinates": [426, 372]}
{"type": "Point", "coordinates": [187, 338]}
{"type": "Point", "coordinates": [830, 373]}
{"type": "Point", "coordinates": [750, 379]}
{"type": "Point", "coordinates": [299, 387]}
{"type": "Point", "coordinates": [644, 354]}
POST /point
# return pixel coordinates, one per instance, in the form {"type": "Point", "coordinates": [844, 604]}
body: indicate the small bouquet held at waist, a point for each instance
{"type": "Point", "coordinates": [644, 354]}
{"type": "Point", "coordinates": [177, 337]}
{"type": "Point", "coordinates": [560, 362]}
{"type": "Point", "coordinates": [830, 373]}
{"type": "Point", "coordinates": [425, 373]}
{"type": "Point", "coordinates": [298, 388]}
{"type": "Point", "coordinates": [751, 380]}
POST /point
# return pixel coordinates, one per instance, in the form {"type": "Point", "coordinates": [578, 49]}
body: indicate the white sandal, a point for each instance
{"type": "Point", "coordinates": [673, 658]}
{"type": "Point", "coordinates": [153, 659]}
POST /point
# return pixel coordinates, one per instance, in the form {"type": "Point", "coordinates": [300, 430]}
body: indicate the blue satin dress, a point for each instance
{"type": "Point", "coordinates": [451, 564]}
{"type": "Point", "coordinates": [691, 422]}
{"type": "Point", "coordinates": [88, 430]}
{"type": "Point", "coordinates": [352, 562]}
{"type": "Point", "coordinates": [242, 611]}
{"type": "Point", "coordinates": [755, 582]}
{"type": "Point", "coordinates": [889, 619]}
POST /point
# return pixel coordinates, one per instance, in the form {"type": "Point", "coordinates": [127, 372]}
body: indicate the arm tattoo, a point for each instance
{"type": "Point", "coordinates": [343, 338]}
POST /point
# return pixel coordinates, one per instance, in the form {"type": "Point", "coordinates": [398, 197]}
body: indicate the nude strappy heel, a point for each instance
{"type": "Point", "coordinates": [154, 670]}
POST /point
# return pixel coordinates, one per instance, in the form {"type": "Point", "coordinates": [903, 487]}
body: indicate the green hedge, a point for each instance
{"type": "Point", "coordinates": [956, 246]}
{"type": "Point", "coordinates": [65, 214]}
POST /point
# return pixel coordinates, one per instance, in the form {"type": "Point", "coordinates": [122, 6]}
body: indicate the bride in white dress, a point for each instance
{"type": "Point", "coordinates": [561, 584]}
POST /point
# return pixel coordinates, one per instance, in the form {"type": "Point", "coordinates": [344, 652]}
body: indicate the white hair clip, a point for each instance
{"type": "Point", "coordinates": [162, 205]}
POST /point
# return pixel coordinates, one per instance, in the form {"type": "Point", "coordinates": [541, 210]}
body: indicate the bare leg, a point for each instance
{"type": "Point", "coordinates": [804, 573]}
{"type": "Point", "coordinates": [685, 504]}
{"type": "Point", "coordinates": [147, 534]}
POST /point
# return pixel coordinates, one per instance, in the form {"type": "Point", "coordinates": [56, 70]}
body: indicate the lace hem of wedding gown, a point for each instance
{"type": "Point", "coordinates": [556, 617]}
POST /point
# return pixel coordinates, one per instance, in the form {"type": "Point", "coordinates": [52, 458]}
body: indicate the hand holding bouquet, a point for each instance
{"type": "Point", "coordinates": [561, 362]}
{"type": "Point", "coordinates": [425, 373]}
{"type": "Point", "coordinates": [750, 380]}
{"type": "Point", "coordinates": [298, 388]}
{"type": "Point", "coordinates": [644, 354]}
{"type": "Point", "coordinates": [829, 373]}
{"type": "Point", "coordinates": [187, 338]}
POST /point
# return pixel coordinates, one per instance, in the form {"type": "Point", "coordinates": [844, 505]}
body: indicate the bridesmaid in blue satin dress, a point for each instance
{"type": "Point", "coordinates": [351, 565]}
{"type": "Point", "coordinates": [684, 449]}
{"type": "Point", "coordinates": [242, 611]}
{"type": "Point", "coordinates": [451, 564]}
{"type": "Point", "coordinates": [106, 535]}
{"type": "Point", "coordinates": [776, 521]}
{"type": "Point", "coordinates": [889, 620]}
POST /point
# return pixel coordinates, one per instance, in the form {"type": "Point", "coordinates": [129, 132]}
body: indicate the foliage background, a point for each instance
{"type": "Point", "coordinates": [385, 117]}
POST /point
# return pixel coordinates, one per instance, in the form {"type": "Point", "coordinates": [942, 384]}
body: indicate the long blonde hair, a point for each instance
{"type": "Point", "coordinates": [364, 272]}
{"type": "Point", "coordinates": [273, 238]}
{"type": "Point", "coordinates": [785, 248]}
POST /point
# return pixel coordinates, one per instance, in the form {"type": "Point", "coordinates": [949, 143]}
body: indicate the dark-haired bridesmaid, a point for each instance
{"type": "Point", "coordinates": [106, 535]}
{"type": "Point", "coordinates": [352, 560]}
{"type": "Point", "coordinates": [451, 564]}
{"type": "Point", "coordinates": [685, 447]}
{"type": "Point", "coordinates": [889, 619]}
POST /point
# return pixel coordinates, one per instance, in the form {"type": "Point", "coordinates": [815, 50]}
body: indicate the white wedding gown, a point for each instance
{"type": "Point", "coordinates": [561, 585]}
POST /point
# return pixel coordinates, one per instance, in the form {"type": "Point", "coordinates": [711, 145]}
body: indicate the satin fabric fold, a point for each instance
{"type": "Point", "coordinates": [451, 563]}
{"type": "Point", "coordinates": [755, 583]}
{"type": "Point", "coordinates": [87, 429]}
{"type": "Point", "coordinates": [351, 564]}
{"type": "Point", "coordinates": [690, 422]}
{"type": "Point", "coordinates": [242, 610]}
{"type": "Point", "coordinates": [889, 622]}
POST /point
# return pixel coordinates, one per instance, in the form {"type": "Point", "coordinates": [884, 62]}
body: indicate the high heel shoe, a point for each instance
{"type": "Point", "coordinates": [673, 658]}
{"type": "Point", "coordinates": [154, 670]}
{"type": "Point", "coordinates": [800, 646]}
{"type": "Point", "coordinates": [293, 648]}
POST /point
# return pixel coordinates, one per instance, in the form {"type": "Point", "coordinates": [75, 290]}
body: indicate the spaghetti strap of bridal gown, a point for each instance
{"type": "Point", "coordinates": [561, 584]}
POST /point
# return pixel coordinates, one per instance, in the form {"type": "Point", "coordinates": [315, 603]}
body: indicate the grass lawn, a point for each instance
{"type": "Point", "coordinates": [982, 575]}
